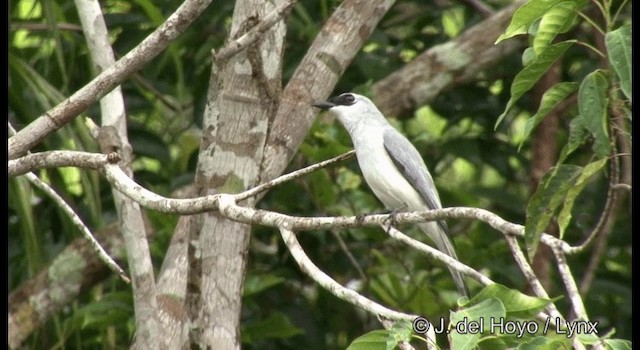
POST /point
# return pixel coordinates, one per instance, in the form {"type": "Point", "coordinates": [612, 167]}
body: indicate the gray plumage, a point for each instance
{"type": "Point", "coordinates": [392, 167]}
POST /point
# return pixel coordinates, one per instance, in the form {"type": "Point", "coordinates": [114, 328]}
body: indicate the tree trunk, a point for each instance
{"type": "Point", "coordinates": [242, 100]}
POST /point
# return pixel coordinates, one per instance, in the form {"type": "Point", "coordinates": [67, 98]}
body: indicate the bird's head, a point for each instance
{"type": "Point", "coordinates": [350, 108]}
{"type": "Point", "coordinates": [348, 100]}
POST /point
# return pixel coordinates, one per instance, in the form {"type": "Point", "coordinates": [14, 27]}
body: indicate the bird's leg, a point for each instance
{"type": "Point", "coordinates": [391, 219]}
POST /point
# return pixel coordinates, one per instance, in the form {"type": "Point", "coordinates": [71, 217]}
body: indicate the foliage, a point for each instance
{"type": "Point", "coordinates": [477, 160]}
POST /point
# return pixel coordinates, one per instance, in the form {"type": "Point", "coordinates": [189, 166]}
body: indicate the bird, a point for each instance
{"type": "Point", "coordinates": [392, 167]}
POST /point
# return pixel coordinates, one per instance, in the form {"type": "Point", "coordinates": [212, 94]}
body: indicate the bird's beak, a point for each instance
{"type": "Point", "coordinates": [324, 105]}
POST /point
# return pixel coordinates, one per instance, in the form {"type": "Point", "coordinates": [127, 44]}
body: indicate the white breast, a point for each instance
{"type": "Point", "coordinates": [381, 174]}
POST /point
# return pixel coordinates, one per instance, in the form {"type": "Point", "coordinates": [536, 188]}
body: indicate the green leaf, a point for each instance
{"type": "Point", "coordinates": [618, 44]}
{"type": "Point", "coordinates": [254, 284]}
{"type": "Point", "coordinates": [323, 188]}
{"type": "Point", "coordinates": [577, 136]}
{"type": "Point", "coordinates": [530, 74]}
{"type": "Point", "coordinates": [374, 340]}
{"type": "Point", "coordinates": [468, 325]}
{"type": "Point", "coordinates": [592, 107]}
{"type": "Point", "coordinates": [545, 201]}
{"type": "Point", "coordinates": [524, 16]}
{"type": "Point", "coordinates": [516, 304]}
{"type": "Point", "coordinates": [149, 144]}
{"type": "Point", "coordinates": [550, 99]}
{"type": "Point", "coordinates": [542, 343]}
{"type": "Point", "coordinates": [565, 214]}
{"type": "Point", "coordinates": [277, 325]}
{"type": "Point", "coordinates": [401, 331]}
{"type": "Point", "coordinates": [111, 309]}
{"type": "Point", "coordinates": [528, 55]}
{"type": "Point", "coordinates": [617, 344]}
{"type": "Point", "coordinates": [347, 179]}
{"type": "Point", "coordinates": [557, 20]}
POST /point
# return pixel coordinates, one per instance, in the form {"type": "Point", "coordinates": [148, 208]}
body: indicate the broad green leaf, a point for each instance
{"type": "Point", "coordinates": [389, 288]}
{"type": "Point", "coordinates": [545, 201]}
{"type": "Point", "coordinates": [347, 179]}
{"type": "Point", "coordinates": [617, 344]}
{"type": "Point", "coordinates": [557, 20]}
{"type": "Point", "coordinates": [516, 304]}
{"type": "Point", "coordinates": [20, 200]}
{"type": "Point", "coordinates": [530, 74]}
{"type": "Point", "coordinates": [565, 214]}
{"type": "Point", "coordinates": [469, 324]}
{"type": "Point", "coordinates": [577, 136]}
{"type": "Point", "coordinates": [322, 188]}
{"type": "Point", "coordinates": [528, 55]}
{"type": "Point", "coordinates": [618, 44]}
{"type": "Point", "coordinates": [550, 99]}
{"type": "Point", "coordinates": [277, 326]}
{"type": "Point", "coordinates": [544, 342]}
{"type": "Point", "coordinates": [111, 309]}
{"type": "Point", "coordinates": [592, 107]}
{"type": "Point", "coordinates": [374, 340]}
{"type": "Point", "coordinates": [402, 330]}
{"type": "Point", "coordinates": [254, 284]}
{"type": "Point", "coordinates": [46, 94]}
{"type": "Point", "coordinates": [525, 15]}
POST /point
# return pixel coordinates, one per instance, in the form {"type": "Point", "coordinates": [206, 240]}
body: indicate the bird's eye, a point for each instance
{"type": "Point", "coordinates": [348, 98]}
{"type": "Point", "coordinates": [345, 99]}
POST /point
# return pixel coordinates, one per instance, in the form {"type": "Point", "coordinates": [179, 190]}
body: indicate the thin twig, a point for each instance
{"type": "Point", "coordinates": [75, 219]}
{"type": "Point", "coordinates": [43, 26]}
{"type": "Point", "coordinates": [255, 33]}
{"type": "Point", "coordinates": [437, 255]}
{"type": "Point", "coordinates": [335, 288]}
{"type": "Point", "coordinates": [345, 250]}
{"type": "Point", "coordinates": [293, 175]}
{"type": "Point", "coordinates": [570, 284]}
{"type": "Point", "coordinates": [482, 8]}
{"type": "Point", "coordinates": [530, 275]}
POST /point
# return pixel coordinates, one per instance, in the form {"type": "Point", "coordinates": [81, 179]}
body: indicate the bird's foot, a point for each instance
{"type": "Point", "coordinates": [391, 219]}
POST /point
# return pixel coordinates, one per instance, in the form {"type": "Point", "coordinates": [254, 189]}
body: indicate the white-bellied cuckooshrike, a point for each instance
{"type": "Point", "coordinates": [392, 167]}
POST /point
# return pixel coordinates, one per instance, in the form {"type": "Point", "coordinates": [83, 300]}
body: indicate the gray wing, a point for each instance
{"type": "Point", "coordinates": [410, 164]}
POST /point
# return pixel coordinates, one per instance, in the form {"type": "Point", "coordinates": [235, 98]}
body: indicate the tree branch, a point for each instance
{"type": "Point", "coordinates": [437, 255]}
{"type": "Point", "coordinates": [530, 275]}
{"type": "Point", "coordinates": [68, 109]}
{"type": "Point", "coordinates": [348, 295]}
{"type": "Point", "coordinates": [75, 219]}
{"type": "Point", "coordinates": [56, 159]}
{"type": "Point", "coordinates": [257, 216]}
{"type": "Point", "coordinates": [53, 290]}
{"type": "Point", "coordinates": [113, 138]}
{"type": "Point", "coordinates": [331, 52]}
{"type": "Point", "coordinates": [255, 33]}
{"type": "Point", "coordinates": [570, 284]}
{"type": "Point", "coordinates": [445, 65]}
{"type": "Point", "coordinates": [293, 175]}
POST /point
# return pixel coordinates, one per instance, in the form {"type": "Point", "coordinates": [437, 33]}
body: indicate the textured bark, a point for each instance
{"type": "Point", "coordinates": [328, 57]}
{"type": "Point", "coordinates": [240, 106]}
{"type": "Point", "coordinates": [446, 65]}
{"type": "Point", "coordinates": [172, 286]}
{"type": "Point", "coordinates": [148, 332]}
